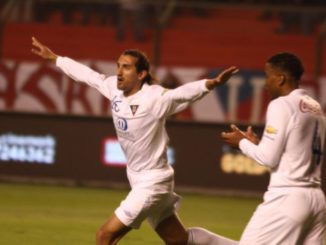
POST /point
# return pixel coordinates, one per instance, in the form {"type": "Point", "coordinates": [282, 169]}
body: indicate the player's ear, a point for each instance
{"type": "Point", "coordinates": [282, 79]}
{"type": "Point", "coordinates": [142, 75]}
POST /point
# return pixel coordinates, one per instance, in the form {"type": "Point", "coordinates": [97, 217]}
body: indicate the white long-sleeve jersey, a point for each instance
{"type": "Point", "coordinates": [139, 119]}
{"type": "Point", "coordinates": [293, 141]}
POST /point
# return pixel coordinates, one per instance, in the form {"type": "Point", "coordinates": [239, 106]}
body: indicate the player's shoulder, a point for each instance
{"type": "Point", "coordinates": [110, 78]}
{"type": "Point", "coordinates": [280, 105]}
{"type": "Point", "coordinates": [108, 85]}
{"type": "Point", "coordinates": [154, 87]}
{"type": "Point", "coordinates": [155, 94]}
{"type": "Point", "coordinates": [156, 90]}
{"type": "Point", "coordinates": [111, 81]}
{"type": "Point", "coordinates": [277, 102]}
{"type": "Point", "coordinates": [289, 103]}
{"type": "Point", "coordinates": [287, 100]}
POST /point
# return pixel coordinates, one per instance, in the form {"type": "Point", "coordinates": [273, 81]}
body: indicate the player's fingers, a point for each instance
{"type": "Point", "coordinates": [231, 70]}
{"type": "Point", "coordinates": [35, 51]}
{"type": "Point", "coordinates": [251, 131]}
{"type": "Point", "coordinates": [37, 43]}
{"type": "Point", "coordinates": [225, 75]}
{"type": "Point", "coordinates": [234, 127]}
{"type": "Point", "coordinates": [224, 134]}
{"type": "Point", "coordinates": [35, 40]}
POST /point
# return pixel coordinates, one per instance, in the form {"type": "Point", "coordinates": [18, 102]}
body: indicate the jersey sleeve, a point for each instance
{"type": "Point", "coordinates": [82, 73]}
{"type": "Point", "coordinates": [171, 101]}
{"type": "Point", "coordinates": [268, 152]}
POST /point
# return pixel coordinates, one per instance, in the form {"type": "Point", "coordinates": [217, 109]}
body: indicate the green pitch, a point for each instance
{"type": "Point", "coordinates": [34, 214]}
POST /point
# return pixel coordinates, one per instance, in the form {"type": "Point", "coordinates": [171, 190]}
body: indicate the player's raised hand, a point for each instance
{"type": "Point", "coordinates": [42, 50]}
{"type": "Point", "coordinates": [225, 75]}
{"type": "Point", "coordinates": [222, 77]}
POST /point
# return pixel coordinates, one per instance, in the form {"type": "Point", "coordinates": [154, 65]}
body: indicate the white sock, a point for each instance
{"type": "Point", "coordinates": [200, 236]}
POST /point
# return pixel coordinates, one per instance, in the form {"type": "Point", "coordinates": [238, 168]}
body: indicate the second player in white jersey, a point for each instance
{"type": "Point", "coordinates": [293, 140]}
{"type": "Point", "coordinates": [292, 145]}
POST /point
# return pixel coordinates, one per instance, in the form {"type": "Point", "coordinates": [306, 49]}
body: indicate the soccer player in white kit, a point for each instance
{"type": "Point", "coordinates": [293, 211]}
{"type": "Point", "coordinates": [139, 112]}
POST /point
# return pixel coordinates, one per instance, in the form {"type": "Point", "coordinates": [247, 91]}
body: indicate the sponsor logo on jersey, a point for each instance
{"type": "Point", "coordinates": [271, 130]}
{"type": "Point", "coordinates": [133, 109]}
{"type": "Point", "coordinates": [122, 124]}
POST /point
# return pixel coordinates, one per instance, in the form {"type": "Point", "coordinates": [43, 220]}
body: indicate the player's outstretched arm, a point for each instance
{"type": "Point", "coordinates": [221, 78]}
{"type": "Point", "coordinates": [43, 51]}
{"type": "Point", "coordinates": [70, 67]}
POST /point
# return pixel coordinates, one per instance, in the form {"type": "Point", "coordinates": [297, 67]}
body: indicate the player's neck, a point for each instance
{"type": "Point", "coordinates": [287, 89]}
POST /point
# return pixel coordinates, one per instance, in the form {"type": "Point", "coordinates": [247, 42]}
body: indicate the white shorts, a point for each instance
{"type": "Point", "coordinates": [288, 216]}
{"type": "Point", "coordinates": [151, 198]}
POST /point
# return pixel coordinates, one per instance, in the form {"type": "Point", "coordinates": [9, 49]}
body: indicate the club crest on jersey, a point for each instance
{"type": "Point", "coordinates": [271, 130]}
{"type": "Point", "coordinates": [115, 104]}
{"type": "Point", "coordinates": [133, 109]}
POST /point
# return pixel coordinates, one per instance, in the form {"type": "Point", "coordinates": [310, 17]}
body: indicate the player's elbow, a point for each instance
{"type": "Point", "coordinates": [266, 161]}
{"type": "Point", "coordinates": [104, 237]}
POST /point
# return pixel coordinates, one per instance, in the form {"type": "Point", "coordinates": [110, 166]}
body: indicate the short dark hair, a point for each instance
{"type": "Point", "coordinates": [288, 63]}
{"type": "Point", "coordinates": [142, 63]}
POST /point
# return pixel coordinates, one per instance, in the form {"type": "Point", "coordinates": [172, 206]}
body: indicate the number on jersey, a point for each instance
{"type": "Point", "coordinates": [316, 146]}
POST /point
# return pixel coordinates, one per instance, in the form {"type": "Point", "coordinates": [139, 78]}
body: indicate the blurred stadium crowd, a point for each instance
{"type": "Point", "coordinates": [292, 13]}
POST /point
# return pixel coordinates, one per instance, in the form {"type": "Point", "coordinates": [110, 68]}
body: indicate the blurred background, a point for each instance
{"type": "Point", "coordinates": [55, 130]}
